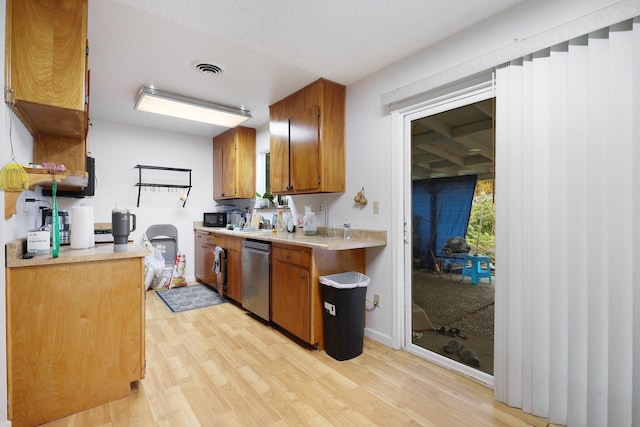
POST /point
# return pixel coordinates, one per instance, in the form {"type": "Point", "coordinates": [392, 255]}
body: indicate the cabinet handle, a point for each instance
{"type": "Point", "coordinates": [302, 276]}
{"type": "Point", "coordinates": [288, 256]}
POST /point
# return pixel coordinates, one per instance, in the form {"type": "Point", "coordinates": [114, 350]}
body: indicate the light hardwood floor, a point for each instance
{"type": "Point", "coordinates": [218, 366]}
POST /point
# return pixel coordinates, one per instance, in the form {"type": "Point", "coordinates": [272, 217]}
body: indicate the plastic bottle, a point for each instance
{"type": "Point", "coordinates": [291, 227]}
{"type": "Point", "coordinates": [346, 229]}
{"type": "Point", "coordinates": [280, 221]}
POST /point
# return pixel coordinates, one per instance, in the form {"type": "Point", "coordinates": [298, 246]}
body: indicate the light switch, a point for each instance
{"type": "Point", "coordinates": [376, 207]}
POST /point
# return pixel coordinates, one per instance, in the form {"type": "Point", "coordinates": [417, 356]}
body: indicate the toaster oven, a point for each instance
{"type": "Point", "coordinates": [214, 219]}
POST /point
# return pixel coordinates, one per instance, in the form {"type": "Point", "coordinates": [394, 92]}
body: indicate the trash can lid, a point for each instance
{"type": "Point", "coordinates": [349, 279]}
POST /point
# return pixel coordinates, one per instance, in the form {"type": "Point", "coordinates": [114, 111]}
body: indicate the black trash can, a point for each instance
{"type": "Point", "coordinates": [343, 302]}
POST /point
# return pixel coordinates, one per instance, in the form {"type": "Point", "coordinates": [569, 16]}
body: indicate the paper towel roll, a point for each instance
{"type": "Point", "coordinates": [82, 236]}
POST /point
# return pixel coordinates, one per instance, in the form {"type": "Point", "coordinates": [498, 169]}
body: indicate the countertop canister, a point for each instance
{"type": "Point", "coordinates": [82, 227]}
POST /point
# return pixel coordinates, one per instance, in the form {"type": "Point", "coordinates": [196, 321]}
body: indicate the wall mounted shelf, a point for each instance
{"type": "Point", "coordinates": [38, 177]}
{"type": "Point", "coordinates": [141, 184]}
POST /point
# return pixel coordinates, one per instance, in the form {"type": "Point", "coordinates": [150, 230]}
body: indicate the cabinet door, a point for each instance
{"type": "Point", "coordinates": [234, 164]}
{"type": "Point", "coordinates": [224, 166]}
{"type": "Point", "coordinates": [46, 62]}
{"type": "Point", "coordinates": [234, 275]}
{"type": "Point", "coordinates": [304, 154]}
{"type": "Point", "coordinates": [279, 148]}
{"type": "Point", "coordinates": [245, 162]}
{"type": "Point", "coordinates": [198, 268]}
{"type": "Point", "coordinates": [229, 178]}
{"type": "Point", "coordinates": [204, 257]}
{"type": "Point", "coordinates": [290, 299]}
{"type": "Point", "coordinates": [217, 168]}
{"type": "Point", "coordinates": [208, 276]}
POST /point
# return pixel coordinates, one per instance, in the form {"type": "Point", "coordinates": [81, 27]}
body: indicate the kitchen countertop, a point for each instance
{"type": "Point", "coordinates": [360, 238]}
{"type": "Point", "coordinates": [100, 252]}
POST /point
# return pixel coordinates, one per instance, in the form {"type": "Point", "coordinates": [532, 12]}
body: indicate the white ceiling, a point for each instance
{"type": "Point", "coordinates": [267, 49]}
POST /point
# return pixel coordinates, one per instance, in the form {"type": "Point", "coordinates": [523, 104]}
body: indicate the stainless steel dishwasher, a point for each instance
{"type": "Point", "coordinates": [256, 277]}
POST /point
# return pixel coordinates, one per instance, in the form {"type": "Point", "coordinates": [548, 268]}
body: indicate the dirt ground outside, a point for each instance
{"type": "Point", "coordinates": [454, 304]}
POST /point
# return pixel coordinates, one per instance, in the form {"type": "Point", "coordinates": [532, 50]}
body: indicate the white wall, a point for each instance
{"type": "Point", "coordinates": [118, 149]}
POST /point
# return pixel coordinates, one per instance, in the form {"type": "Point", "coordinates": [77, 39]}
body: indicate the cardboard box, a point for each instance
{"type": "Point", "coordinates": [39, 240]}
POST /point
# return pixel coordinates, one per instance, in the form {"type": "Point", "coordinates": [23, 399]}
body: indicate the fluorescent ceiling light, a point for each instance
{"type": "Point", "coordinates": [169, 104]}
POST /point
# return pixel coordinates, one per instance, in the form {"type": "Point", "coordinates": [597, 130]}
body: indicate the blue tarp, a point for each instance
{"type": "Point", "coordinates": [441, 209]}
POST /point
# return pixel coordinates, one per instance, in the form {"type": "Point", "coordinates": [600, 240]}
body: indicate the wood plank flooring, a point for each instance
{"type": "Point", "coordinates": [219, 366]}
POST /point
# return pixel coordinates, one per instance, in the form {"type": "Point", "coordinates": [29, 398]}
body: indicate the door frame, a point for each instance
{"type": "Point", "coordinates": [458, 95]}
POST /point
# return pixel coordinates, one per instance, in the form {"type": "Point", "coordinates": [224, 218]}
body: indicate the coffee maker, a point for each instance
{"type": "Point", "coordinates": [123, 222]}
{"type": "Point", "coordinates": [64, 220]}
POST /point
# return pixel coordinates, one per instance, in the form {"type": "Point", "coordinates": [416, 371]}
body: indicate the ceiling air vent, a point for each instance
{"type": "Point", "coordinates": [206, 68]}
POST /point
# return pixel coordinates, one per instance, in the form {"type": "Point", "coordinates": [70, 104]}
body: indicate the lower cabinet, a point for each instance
{"type": "Point", "coordinates": [75, 334]}
{"type": "Point", "coordinates": [233, 247]}
{"type": "Point", "coordinates": [205, 245]}
{"type": "Point", "coordinates": [291, 291]}
{"type": "Point", "coordinates": [296, 294]}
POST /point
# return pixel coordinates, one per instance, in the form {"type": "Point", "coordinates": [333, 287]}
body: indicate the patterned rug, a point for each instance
{"type": "Point", "coordinates": [189, 297]}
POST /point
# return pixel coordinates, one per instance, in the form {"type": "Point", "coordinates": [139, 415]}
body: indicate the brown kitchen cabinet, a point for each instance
{"type": "Point", "coordinates": [233, 247]}
{"type": "Point", "coordinates": [205, 245]}
{"type": "Point", "coordinates": [75, 330]}
{"type": "Point", "coordinates": [296, 297]}
{"type": "Point", "coordinates": [307, 140]}
{"type": "Point", "coordinates": [47, 80]}
{"type": "Point", "coordinates": [291, 290]}
{"type": "Point", "coordinates": [234, 164]}
{"type": "Point", "coordinates": [46, 65]}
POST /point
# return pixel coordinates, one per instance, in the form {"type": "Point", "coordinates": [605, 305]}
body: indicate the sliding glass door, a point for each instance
{"type": "Point", "coordinates": [449, 209]}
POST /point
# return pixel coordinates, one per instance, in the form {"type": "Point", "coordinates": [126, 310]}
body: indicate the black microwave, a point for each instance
{"type": "Point", "coordinates": [214, 219]}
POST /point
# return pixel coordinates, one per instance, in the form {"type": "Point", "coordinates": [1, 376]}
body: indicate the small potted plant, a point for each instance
{"type": "Point", "coordinates": [264, 201]}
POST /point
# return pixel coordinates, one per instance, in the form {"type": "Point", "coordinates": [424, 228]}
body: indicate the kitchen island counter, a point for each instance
{"type": "Point", "coordinates": [75, 330]}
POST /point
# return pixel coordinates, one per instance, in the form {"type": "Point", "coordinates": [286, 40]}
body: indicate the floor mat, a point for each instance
{"type": "Point", "coordinates": [189, 297]}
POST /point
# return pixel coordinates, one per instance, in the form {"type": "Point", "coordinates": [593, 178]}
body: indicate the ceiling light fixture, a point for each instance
{"type": "Point", "coordinates": [157, 101]}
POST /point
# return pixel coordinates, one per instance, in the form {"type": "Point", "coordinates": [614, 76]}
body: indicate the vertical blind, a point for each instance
{"type": "Point", "coordinates": [568, 217]}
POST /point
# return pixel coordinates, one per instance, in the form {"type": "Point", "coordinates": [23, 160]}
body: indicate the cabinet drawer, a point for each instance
{"type": "Point", "coordinates": [205, 238]}
{"type": "Point", "coordinates": [298, 256]}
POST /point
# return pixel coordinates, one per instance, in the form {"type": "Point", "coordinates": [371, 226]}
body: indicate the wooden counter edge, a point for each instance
{"type": "Point", "coordinates": [361, 238]}
{"type": "Point", "coordinates": [100, 252]}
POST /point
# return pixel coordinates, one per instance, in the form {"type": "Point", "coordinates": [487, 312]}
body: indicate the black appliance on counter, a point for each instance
{"type": "Point", "coordinates": [214, 219]}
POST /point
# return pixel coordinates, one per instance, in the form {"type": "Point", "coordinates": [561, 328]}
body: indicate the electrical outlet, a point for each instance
{"type": "Point", "coordinates": [376, 207]}
{"type": "Point", "coordinates": [320, 207]}
{"type": "Point", "coordinates": [376, 300]}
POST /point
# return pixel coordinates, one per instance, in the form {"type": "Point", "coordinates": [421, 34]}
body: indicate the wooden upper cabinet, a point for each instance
{"type": "Point", "coordinates": [279, 150]}
{"type": "Point", "coordinates": [308, 140]}
{"type": "Point", "coordinates": [46, 65]}
{"type": "Point", "coordinates": [234, 164]}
